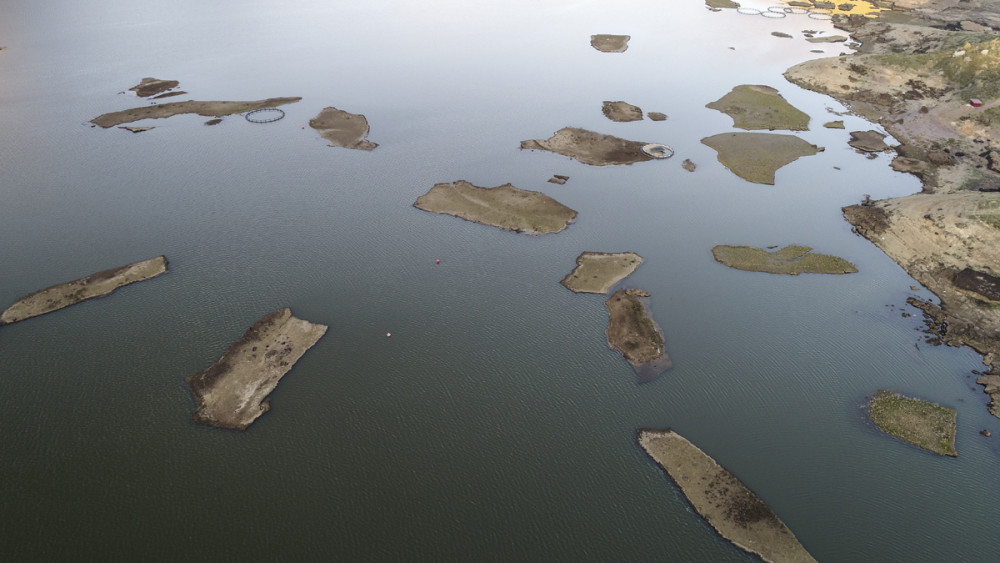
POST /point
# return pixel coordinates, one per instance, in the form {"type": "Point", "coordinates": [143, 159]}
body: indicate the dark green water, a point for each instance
{"type": "Point", "coordinates": [495, 424]}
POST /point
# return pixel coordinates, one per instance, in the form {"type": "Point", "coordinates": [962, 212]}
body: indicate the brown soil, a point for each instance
{"type": "Point", "coordinates": [70, 293]}
{"type": "Point", "coordinates": [729, 506]}
{"type": "Point", "coordinates": [634, 333]}
{"type": "Point", "coordinates": [505, 206]}
{"type": "Point", "coordinates": [343, 129]}
{"type": "Point", "coordinates": [233, 391]}
{"type": "Point", "coordinates": [207, 109]}
{"type": "Point", "coordinates": [590, 148]}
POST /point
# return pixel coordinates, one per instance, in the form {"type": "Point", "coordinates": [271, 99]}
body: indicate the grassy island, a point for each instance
{"type": "Point", "coordinates": [792, 260]}
{"type": "Point", "coordinates": [589, 147]}
{"type": "Point", "coordinates": [732, 509]}
{"type": "Point", "coordinates": [760, 107]}
{"type": "Point", "coordinates": [507, 207]}
{"type": "Point", "coordinates": [598, 272]}
{"type": "Point", "coordinates": [208, 109]}
{"type": "Point", "coordinates": [634, 333]}
{"type": "Point", "coordinates": [926, 425]}
{"type": "Point", "coordinates": [755, 157]}
{"type": "Point", "coordinates": [233, 392]}
{"type": "Point", "coordinates": [70, 293]}
{"type": "Point", "coordinates": [343, 129]}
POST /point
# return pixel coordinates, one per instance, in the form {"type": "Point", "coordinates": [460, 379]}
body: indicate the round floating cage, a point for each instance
{"type": "Point", "coordinates": [748, 11]}
{"type": "Point", "coordinates": [821, 14]}
{"type": "Point", "coordinates": [656, 150]}
{"type": "Point", "coordinates": [264, 115]}
{"type": "Point", "coordinates": [774, 15]}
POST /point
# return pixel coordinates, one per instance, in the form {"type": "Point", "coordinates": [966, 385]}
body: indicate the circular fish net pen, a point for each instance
{"type": "Point", "coordinates": [821, 14]}
{"type": "Point", "coordinates": [774, 15]}
{"type": "Point", "coordinates": [656, 150]}
{"type": "Point", "coordinates": [264, 115]}
{"type": "Point", "coordinates": [788, 10]}
{"type": "Point", "coordinates": [748, 11]}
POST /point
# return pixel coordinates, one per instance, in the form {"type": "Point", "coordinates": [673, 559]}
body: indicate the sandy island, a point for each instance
{"type": "Point", "coordinates": [754, 106]}
{"type": "Point", "coordinates": [610, 43]}
{"type": "Point", "coordinates": [923, 424]}
{"type": "Point", "coordinates": [916, 81]}
{"type": "Point", "coordinates": [598, 272]}
{"type": "Point", "coordinates": [755, 157]}
{"type": "Point", "coordinates": [792, 260]}
{"type": "Point", "coordinates": [590, 148]}
{"type": "Point", "coordinates": [70, 293]}
{"type": "Point", "coordinates": [343, 129]}
{"type": "Point", "coordinates": [506, 207]}
{"type": "Point", "coordinates": [208, 109]}
{"type": "Point", "coordinates": [233, 392]}
{"type": "Point", "coordinates": [633, 332]}
{"type": "Point", "coordinates": [732, 509]}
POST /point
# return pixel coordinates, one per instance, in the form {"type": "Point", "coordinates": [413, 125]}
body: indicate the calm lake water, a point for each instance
{"type": "Point", "coordinates": [495, 424]}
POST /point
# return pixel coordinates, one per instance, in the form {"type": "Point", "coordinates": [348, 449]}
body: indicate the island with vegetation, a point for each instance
{"type": "Point", "coordinates": [207, 109]}
{"type": "Point", "coordinates": [930, 76]}
{"type": "Point", "coordinates": [754, 106]}
{"type": "Point", "coordinates": [718, 496]}
{"type": "Point", "coordinates": [589, 147]}
{"type": "Point", "coordinates": [506, 207]}
{"type": "Point", "coordinates": [233, 391]}
{"type": "Point", "coordinates": [755, 157]}
{"type": "Point", "coordinates": [792, 260]}
{"type": "Point", "coordinates": [69, 293]}
{"type": "Point", "coordinates": [343, 129]}
{"type": "Point", "coordinates": [598, 272]}
{"type": "Point", "coordinates": [633, 332]}
{"type": "Point", "coordinates": [923, 424]}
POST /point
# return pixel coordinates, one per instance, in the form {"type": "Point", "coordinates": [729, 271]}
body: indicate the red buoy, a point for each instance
{"type": "Point", "coordinates": [437, 261]}
{"type": "Point", "coordinates": [388, 335]}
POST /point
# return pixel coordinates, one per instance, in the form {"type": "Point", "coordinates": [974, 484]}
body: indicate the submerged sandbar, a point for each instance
{"type": "Point", "coordinates": [598, 272]}
{"type": "Point", "coordinates": [233, 392]}
{"type": "Point", "coordinates": [792, 260]}
{"type": "Point", "coordinates": [923, 424]}
{"type": "Point", "coordinates": [633, 332]}
{"type": "Point", "coordinates": [207, 109]}
{"type": "Point", "coordinates": [735, 511]}
{"type": "Point", "coordinates": [70, 293]}
{"type": "Point", "coordinates": [506, 207]}
{"type": "Point", "coordinates": [755, 157]}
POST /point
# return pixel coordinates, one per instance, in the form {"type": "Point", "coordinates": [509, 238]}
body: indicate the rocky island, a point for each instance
{"type": "Point", "coordinates": [589, 147]}
{"type": "Point", "coordinates": [69, 293]}
{"type": "Point", "coordinates": [633, 332]}
{"type": "Point", "coordinates": [233, 392]}
{"type": "Point", "coordinates": [598, 272]}
{"type": "Point", "coordinates": [343, 129]}
{"type": "Point", "coordinates": [931, 78]}
{"type": "Point", "coordinates": [732, 509]}
{"type": "Point", "coordinates": [792, 260]}
{"type": "Point", "coordinates": [506, 207]}
{"type": "Point", "coordinates": [923, 424]}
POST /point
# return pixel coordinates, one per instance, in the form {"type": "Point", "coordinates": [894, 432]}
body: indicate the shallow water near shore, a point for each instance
{"type": "Point", "coordinates": [495, 423]}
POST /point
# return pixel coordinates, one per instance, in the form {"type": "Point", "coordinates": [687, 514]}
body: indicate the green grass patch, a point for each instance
{"type": "Point", "coordinates": [923, 424]}
{"type": "Point", "coordinates": [792, 260]}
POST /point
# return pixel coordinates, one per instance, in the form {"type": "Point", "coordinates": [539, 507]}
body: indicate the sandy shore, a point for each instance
{"type": "Point", "coordinates": [69, 293]}
{"type": "Point", "coordinates": [233, 391]}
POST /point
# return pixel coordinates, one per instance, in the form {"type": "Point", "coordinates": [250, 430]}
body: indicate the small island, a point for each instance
{"type": "Point", "coordinates": [633, 332]}
{"type": "Point", "coordinates": [70, 293]}
{"type": "Point", "coordinates": [732, 509]}
{"type": "Point", "coordinates": [207, 109]}
{"type": "Point", "coordinates": [233, 392]}
{"type": "Point", "coordinates": [598, 272]}
{"type": "Point", "coordinates": [755, 157]}
{"type": "Point", "coordinates": [760, 107]}
{"type": "Point", "coordinates": [923, 424]}
{"type": "Point", "coordinates": [343, 129]}
{"type": "Point", "coordinates": [153, 86]}
{"type": "Point", "coordinates": [792, 260]}
{"type": "Point", "coordinates": [610, 43]}
{"type": "Point", "coordinates": [621, 112]}
{"type": "Point", "coordinates": [589, 147]}
{"type": "Point", "coordinates": [506, 207]}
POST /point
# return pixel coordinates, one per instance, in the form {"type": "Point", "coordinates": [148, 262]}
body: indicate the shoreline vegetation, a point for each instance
{"type": "Point", "coordinates": [598, 272]}
{"type": "Point", "coordinates": [792, 260]}
{"type": "Point", "coordinates": [70, 293]}
{"type": "Point", "coordinates": [930, 77]}
{"type": "Point", "coordinates": [633, 333]}
{"type": "Point", "coordinates": [926, 425]}
{"type": "Point", "coordinates": [233, 391]}
{"type": "Point", "coordinates": [506, 207]}
{"type": "Point", "coordinates": [730, 507]}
